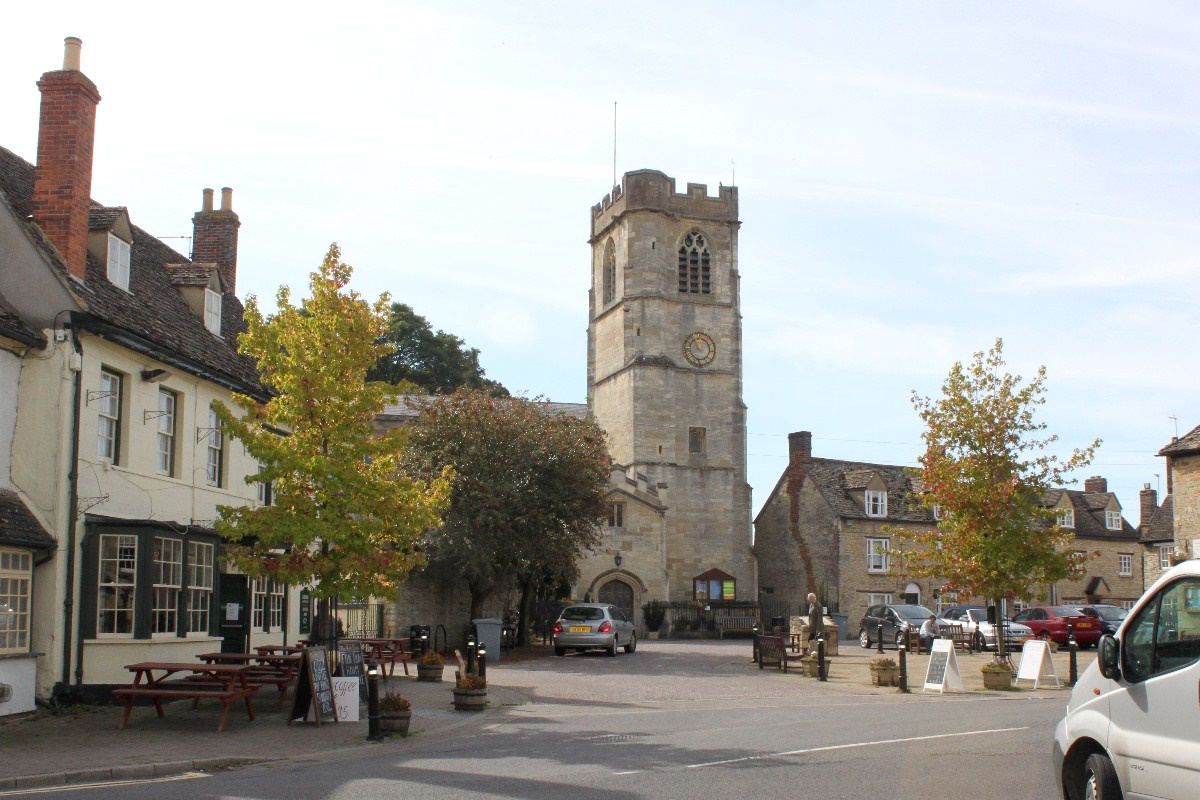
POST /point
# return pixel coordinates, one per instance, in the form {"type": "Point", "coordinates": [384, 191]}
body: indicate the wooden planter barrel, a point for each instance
{"type": "Point", "coordinates": [885, 676]}
{"type": "Point", "coordinates": [470, 699]}
{"type": "Point", "coordinates": [394, 722]}
{"type": "Point", "coordinates": [429, 672]}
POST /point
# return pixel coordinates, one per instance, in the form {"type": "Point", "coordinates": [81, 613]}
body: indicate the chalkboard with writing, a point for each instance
{"type": "Point", "coordinates": [314, 688]}
{"type": "Point", "coordinates": [350, 665]}
{"type": "Point", "coordinates": [942, 672]}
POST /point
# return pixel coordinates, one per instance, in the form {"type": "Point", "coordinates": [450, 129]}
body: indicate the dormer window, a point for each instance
{"type": "Point", "coordinates": [1066, 518]}
{"type": "Point", "coordinates": [939, 513]}
{"type": "Point", "coordinates": [212, 311]}
{"type": "Point", "coordinates": [1112, 520]}
{"type": "Point", "coordinates": [875, 503]}
{"type": "Point", "coordinates": [118, 262]}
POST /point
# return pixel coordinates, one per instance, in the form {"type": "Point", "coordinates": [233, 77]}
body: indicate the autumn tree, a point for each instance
{"type": "Point", "coordinates": [529, 490]}
{"type": "Point", "coordinates": [343, 518]}
{"type": "Point", "coordinates": [424, 361]}
{"type": "Point", "coordinates": [987, 467]}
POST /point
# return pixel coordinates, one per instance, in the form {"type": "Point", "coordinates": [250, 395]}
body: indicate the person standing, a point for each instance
{"type": "Point", "coordinates": [816, 618]}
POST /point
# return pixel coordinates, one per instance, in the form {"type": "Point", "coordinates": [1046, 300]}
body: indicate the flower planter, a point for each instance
{"type": "Point", "coordinates": [996, 679]}
{"type": "Point", "coordinates": [394, 722]}
{"type": "Point", "coordinates": [470, 699]}
{"type": "Point", "coordinates": [429, 673]}
{"type": "Point", "coordinates": [811, 667]}
{"type": "Point", "coordinates": [885, 676]}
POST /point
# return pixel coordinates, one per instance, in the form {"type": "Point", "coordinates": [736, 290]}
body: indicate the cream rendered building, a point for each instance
{"type": "Point", "coordinates": [665, 383]}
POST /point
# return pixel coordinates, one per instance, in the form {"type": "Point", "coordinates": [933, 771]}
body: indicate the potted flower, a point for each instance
{"type": "Point", "coordinates": [470, 692]}
{"type": "Point", "coordinates": [884, 671]}
{"type": "Point", "coordinates": [429, 666]}
{"type": "Point", "coordinates": [654, 613]}
{"type": "Point", "coordinates": [996, 675]}
{"type": "Point", "coordinates": [812, 667]}
{"type": "Point", "coordinates": [395, 714]}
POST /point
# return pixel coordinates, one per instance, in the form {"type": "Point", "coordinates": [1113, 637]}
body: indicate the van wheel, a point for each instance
{"type": "Point", "coordinates": [864, 639]}
{"type": "Point", "coordinates": [1100, 779]}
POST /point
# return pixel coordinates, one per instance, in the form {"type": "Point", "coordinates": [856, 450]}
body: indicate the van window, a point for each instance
{"type": "Point", "coordinates": [1165, 634]}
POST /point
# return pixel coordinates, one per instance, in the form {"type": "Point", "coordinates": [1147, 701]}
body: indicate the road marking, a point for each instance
{"type": "Point", "coordinates": [853, 745]}
{"type": "Point", "coordinates": [630, 772]}
{"type": "Point", "coordinates": [71, 787]}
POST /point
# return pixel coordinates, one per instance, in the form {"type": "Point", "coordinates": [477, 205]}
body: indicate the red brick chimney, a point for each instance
{"type": "Point", "coordinates": [215, 235]}
{"type": "Point", "coordinates": [1096, 484]}
{"type": "Point", "coordinates": [62, 183]}
{"type": "Point", "coordinates": [1148, 504]}
{"type": "Point", "coordinates": [799, 455]}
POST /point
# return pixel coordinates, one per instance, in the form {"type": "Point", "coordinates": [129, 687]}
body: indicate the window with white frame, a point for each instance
{"type": "Point", "coordinates": [167, 402]}
{"type": "Point", "coordinates": [214, 472]}
{"type": "Point", "coordinates": [616, 515]}
{"type": "Point", "coordinates": [200, 586]}
{"type": "Point", "coordinates": [265, 488]}
{"type": "Point", "coordinates": [1125, 564]}
{"type": "Point", "coordinates": [108, 439]}
{"type": "Point", "coordinates": [116, 584]}
{"type": "Point", "coordinates": [118, 262]}
{"type": "Point", "coordinates": [16, 574]}
{"type": "Point", "coordinates": [876, 504]}
{"type": "Point", "coordinates": [212, 311]}
{"type": "Point", "coordinates": [275, 598]}
{"type": "Point", "coordinates": [877, 554]}
{"type": "Point", "coordinates": [938, 513]}
{"type": "Point", "coordinates": [1066, 518]}
{"type": "Point", "coordinates": [1165, 553]}
{"type": "Point", "coordinates": [168, 584]}
{"type": "Point", "coordinates": [258, 602]}
{"type": "Point", "coordinates": [1112, 520]}
{"type": "Point", "coordinates": [879, 599]}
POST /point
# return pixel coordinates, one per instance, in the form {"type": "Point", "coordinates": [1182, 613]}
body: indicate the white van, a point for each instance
{"type": "Point", "coordinates": [1132, 727]}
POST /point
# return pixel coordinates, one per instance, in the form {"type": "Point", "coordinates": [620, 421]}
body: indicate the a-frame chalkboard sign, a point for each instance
{"type": "Point", "coordinates": [942, 672]}
{"type": "Point", "coordinates": [313, 689]}
{"type": "Point", "coordinates": [350, 665]}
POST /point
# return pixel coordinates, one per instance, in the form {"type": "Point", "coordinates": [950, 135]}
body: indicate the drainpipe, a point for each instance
{"type": "Point", "coordinates": [72, 512]}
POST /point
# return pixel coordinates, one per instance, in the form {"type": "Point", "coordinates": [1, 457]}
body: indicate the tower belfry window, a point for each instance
{"type": "Point", "coordinates": [695, 265]}
{"type": "Point", "coordinates": [610, 273]}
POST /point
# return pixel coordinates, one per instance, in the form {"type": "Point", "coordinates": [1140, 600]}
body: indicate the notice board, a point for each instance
{"type": "Point", "coordinates": [1036, 663]}
{"type": "Point", "coordinates": [350, 665]}
{"type": "Point", "coordinates": [942, 672]}
{"type": "Point", "coordinates": [314, 689]}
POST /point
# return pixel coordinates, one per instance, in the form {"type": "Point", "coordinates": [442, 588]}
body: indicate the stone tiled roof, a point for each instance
{"type": "Point", "coordinates": [1089, 514]}
{"type": "Point", "coordinates": [152, 317]}
{"type": "Point", "coordinates": [1161, 526]}
{"type": "Point", "coordinates": [190, 274]}
{"type": "Point", "coordinates": [13, 327]}
{"type": "Point", "coordinates": [1189, 444]}
{"type": "Point", "coordinates": [18, 527]}
{"type": "Point", "coordinates": [102, 217]}
{"type": "Point", "coordinates": [832, 478]}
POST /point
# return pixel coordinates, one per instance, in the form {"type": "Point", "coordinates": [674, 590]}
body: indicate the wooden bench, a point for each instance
{"type": "Point", "coordinates": [772, 649]}
{"type": "Point", "coordinates": [227, 683]}
{"type": "Point", "coordinates": [734, 625]}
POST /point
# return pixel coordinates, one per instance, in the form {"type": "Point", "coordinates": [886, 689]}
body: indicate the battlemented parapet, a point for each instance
{"type": "Point", "coordinates": [651, 190]}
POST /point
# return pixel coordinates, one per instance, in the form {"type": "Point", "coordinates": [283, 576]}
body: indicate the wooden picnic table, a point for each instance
{"type": "Point", "coordinates": [225, 682]}
{"type": "Point", "coordinates": [383, 651]}
{"type": "Point", "coordinates": [278, 669]}
{"type": "Point", "coordinates": [283, 649]}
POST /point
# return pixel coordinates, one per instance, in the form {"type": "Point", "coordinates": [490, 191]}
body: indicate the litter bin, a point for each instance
{"type": "Point", "coordinates": [418, 639]}
{"type": "Point", "coordinates": [778, 625]}
{"type": "Point", "coordinates": [488, 631]}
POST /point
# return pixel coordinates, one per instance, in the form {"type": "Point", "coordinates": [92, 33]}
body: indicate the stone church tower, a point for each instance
{"type": "Point", "coordinates": [665, 383]}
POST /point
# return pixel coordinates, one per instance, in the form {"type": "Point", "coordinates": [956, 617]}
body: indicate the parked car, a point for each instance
{"type": "Point", "coordinates": [1050, 622]}
{"type": "Point", "coordinates": [896, 619]}
{"type": "Point", "coordinates": [981, 633]}
{"type": "Point", "coordinates": [1110, 616]}
{"type": "Point", "coordinates": [593, 626]}
{"type": "Point", "coordinates": [1130, 728]}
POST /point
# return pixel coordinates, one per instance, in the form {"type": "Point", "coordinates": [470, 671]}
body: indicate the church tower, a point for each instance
{"type": "Point", "coordinates": [665, 383]}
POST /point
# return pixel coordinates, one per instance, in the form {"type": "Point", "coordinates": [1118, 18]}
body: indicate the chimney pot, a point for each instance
{"type": "Point", "coordinates": [208, 200]}
{"type": "Point", "coordinates": [71, 53]}
{"type": "Point", "coordinates": [226, 199]}
{"type": "Point", "coordinates": [1096, 483]}
{"type": "Point", "coordinates": [1147, 505]}
{"type": "Point", "coordinates": [215, 235]}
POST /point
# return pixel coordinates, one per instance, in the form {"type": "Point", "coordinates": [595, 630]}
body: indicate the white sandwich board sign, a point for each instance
{"type": "Point", "coordinates": [942, 672]}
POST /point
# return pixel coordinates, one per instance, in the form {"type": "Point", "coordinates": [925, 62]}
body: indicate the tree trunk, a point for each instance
{"type": "Point", "coordinates": [524, 609]}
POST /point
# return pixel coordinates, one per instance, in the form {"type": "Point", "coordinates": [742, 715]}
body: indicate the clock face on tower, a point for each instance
{"type": "Point", "coordinates": [699, 349]}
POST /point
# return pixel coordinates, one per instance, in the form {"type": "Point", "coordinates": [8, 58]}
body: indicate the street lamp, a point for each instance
{"type": "Point", "coordinates": [617, 560]}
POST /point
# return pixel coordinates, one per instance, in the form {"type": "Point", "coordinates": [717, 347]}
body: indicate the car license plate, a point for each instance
{"type": "Point", "coordinates": [581, 629]}
{"type": "Point", "coordinates": [1083, 626]}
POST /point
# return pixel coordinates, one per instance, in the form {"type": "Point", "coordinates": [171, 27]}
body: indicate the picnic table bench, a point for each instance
{"type": "Point", "coordinates": [732, 624]}
{"type": "Point", "coordinates": [266, 669]}
{"type": "Point", "coordinates": [225, 682]}
{"type": "Point", "coordinates": [772, 649]}
{"type": "Point", "coordinates": [383, 651]}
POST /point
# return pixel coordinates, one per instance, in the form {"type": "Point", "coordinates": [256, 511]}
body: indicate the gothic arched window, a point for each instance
{"type": "Point", "coordinates": [695, 265]}
{"type": "Point", "coordinates": [610, 273]}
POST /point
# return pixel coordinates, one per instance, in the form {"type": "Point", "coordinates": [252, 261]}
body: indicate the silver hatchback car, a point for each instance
{"type": "Point", "coordinates": [593, 626]}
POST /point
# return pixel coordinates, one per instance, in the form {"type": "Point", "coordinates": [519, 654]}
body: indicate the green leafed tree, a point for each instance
{"type": "Point", "coordinates": [529, 490]}
{"type": "Point", "coordinates": [424, 361]}
{"type": "Point", "coordinates": [988, 467]}
{"type": "Point", "coordinates": [344, 517]}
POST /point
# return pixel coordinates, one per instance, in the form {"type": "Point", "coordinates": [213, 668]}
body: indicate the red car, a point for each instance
{"type": "Point", "coordinates": [1050, 622]}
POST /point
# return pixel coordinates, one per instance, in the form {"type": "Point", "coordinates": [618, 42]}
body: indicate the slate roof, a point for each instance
{"type": "Point", "coordinates": [18, 527]}
{"type": "Point", "coordinates": [1089, 514]}
{"type": "Point", "coordinates": [152, 317]}
{"type": "Point", "coordinates": [189, 274]}
{"type": "Point", "coordinates": [1161, 527]}
{"type": "Point", "coordinates": [835, 479]}
{"type": "Point", "coordinates": [13, 327]}
{"type": "Point", "coordinates": [1189, 444]}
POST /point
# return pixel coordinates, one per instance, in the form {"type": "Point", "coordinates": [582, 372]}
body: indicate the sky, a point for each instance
{"type": "Point", "coordinates": [915, 180]}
